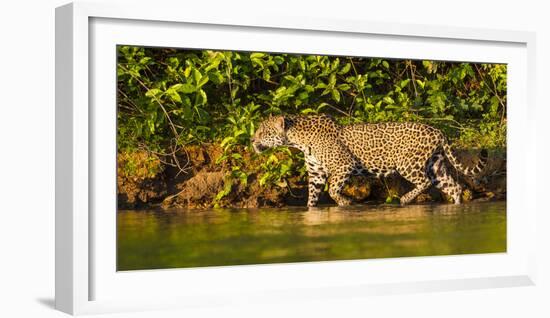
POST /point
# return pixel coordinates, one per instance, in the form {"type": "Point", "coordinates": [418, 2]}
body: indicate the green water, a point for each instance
{"type": "Point", "coordinates": [193, 238]}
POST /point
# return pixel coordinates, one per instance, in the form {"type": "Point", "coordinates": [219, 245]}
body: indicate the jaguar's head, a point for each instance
{"type": "Point", "coordinates": [270, 133]}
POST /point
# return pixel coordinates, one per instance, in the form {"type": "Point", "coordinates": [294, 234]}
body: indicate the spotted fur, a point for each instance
{"type": "Point", "coordinates": [333, 153]}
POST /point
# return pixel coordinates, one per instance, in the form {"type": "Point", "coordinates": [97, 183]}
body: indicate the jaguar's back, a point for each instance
{"type": "Point", "coordinates": [386, 147]}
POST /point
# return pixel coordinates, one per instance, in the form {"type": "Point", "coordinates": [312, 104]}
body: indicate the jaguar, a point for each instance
{"type": "Point", "coordinates": [334, 152]}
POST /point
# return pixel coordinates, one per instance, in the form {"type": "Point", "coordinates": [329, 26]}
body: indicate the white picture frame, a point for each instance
{"type": "Point", "coordinates": [86, 281]}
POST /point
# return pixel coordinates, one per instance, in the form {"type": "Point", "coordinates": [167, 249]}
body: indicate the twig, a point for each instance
{"type": "Point", "coordinates": [413, 79]}
{"type": "Point", "coordinates": [158, 102]}
{"type": "Point", "coordinates": [121, 105]}
{"type": "Point", "coordinates": [337, 109]}
{"type": "Point", "coordinates": [181, 169]}
{"type": "Point", "coordinates": [459, 127]}
{"type": "Point", "coordinates": [494, 90]}
{"type": "Point", "coordinates": [290, 191]}
{"type": "Point", "coordinates": [129, 100]}
{"type": "Point", "coordinates": [228, 71]}
{"type": "Point", "coordinates": [351, 107]}
{"type": "Point", "coordinates": [172, 196]}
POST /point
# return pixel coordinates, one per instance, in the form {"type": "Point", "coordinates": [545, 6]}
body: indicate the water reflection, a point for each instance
{"type": "Point", "coordinates": [186, 238]}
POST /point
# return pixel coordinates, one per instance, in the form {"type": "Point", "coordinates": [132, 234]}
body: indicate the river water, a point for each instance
{"type": "Point", "coordinates": [153, 239]}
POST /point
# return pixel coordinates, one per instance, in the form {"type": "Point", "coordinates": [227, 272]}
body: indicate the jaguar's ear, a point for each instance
{"type": "Point", "coordinates": [280, 123]}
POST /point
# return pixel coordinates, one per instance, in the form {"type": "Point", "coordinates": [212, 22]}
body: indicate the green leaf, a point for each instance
{"type": "Point", "coordinates": [302, 65]}
{"type": "Point", "coordinates": [335, 95]}
{"type": "Point", "coordinates": [153, 92]}
{"type": "Point", "coordinates": [197, 75]}
{"type": "Point", "coordinates": [227, 140]}
{"type": "Point", "coordinates": [202, 81]}
{"type": "Point", "coordinates": [216, 77]}
{"type": "Point", "coordinates": [151, 126]}
{"type": "Point", "coordinates": [173, 95]}
{"type": "Point", "coordinates": [266, 74]}
{"type": "Point", "coordinates": [272, 159]}
{"type": "Point", "coordinates": [227, 187]}
{"type": "Point", "coordinates": [308, 88]}
{"type": "Point", "coordinates": [429, 66]}
{"type": "Point", "coordinates": [308, 111]}
{"type": "Point", "coordinates": [388, 100]}
{"type": "Point", "coordinates": [175, 87]}
{"type": "Point", "coordinates": [187, 88]}
{"type": "Point", "coordinates": [187, 72]}
{"type": "Point", "coordinates": [332, 79]}
{"type": "Point", "coordinates": [257, 55]}
{"type": "Point", "coordinates": [345, 69]}
{"type": "Point", "coordinates": [144, 60]}
{"type": "Point", "coordinates": [344, 87]}
{"type": "Point", "coordinates": [263, 179]}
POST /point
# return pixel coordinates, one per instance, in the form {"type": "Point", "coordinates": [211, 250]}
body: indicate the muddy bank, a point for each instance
{"type": "Point", "coordinates": [145, 180]}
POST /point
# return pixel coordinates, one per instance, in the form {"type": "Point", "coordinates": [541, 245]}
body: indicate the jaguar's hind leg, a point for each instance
{"type": "Point", "coordinates": [419, 187]}
{"type": "Point", "coordinates": [441, 178]}
{"type": "Point", "coordinates": [416, 176]}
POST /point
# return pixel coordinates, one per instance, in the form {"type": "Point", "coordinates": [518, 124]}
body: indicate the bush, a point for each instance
{"type": "Point", "coordinates": [170, 98]}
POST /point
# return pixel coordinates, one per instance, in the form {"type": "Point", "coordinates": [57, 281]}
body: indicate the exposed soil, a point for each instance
{"type": "Point", "coordinates": [203, 179]}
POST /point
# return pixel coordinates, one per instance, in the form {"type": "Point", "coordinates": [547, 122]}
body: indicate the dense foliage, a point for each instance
{"type": "Point", "coordinates": [170, 98]}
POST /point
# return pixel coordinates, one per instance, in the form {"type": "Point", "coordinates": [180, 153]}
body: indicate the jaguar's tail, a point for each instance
{"type": "Point", "coordinates": [467, 171]}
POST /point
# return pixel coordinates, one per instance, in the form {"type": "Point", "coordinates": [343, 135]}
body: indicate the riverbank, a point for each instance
{"type": "Point", "coordinates": [202, 180]}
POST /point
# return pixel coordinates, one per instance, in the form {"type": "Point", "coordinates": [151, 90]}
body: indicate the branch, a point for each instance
{"type": "Point", "coordinates": [337, 109]}
{"type": "Point", "coordinates": [157, 100]}
{"type": "Point", "coordinates": [175, 149]}
{"type": "Point", "coordinates": [413, 79]}
{"type": "Point", "coordinates": [494, 91]}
